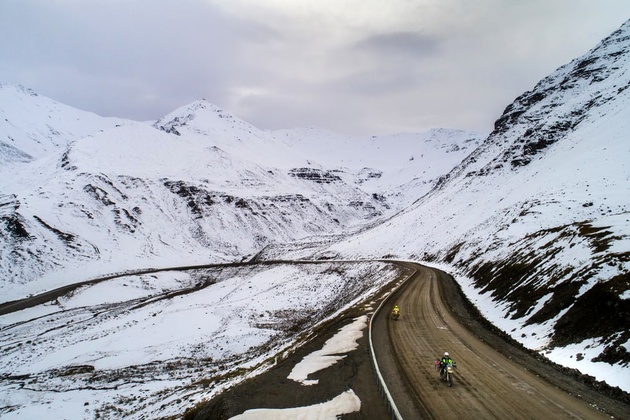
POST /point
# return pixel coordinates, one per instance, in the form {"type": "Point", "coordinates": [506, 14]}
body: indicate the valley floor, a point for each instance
{"type": "Point", "coordinates": [52, 359]}
{"type": "Point", "coordinates": [354, 372]}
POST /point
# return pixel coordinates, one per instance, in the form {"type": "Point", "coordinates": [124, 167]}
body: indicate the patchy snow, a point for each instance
{"type": "Point", "coordinates": [165, 334]}
{"type": "Point", "coordinates": [579, 356]}
{"type": "Point", "coordinates": [346, 403]}
{"type": "Point", "coordinates": [536, 336]}
{"type": "Point", "coordinates": [342, 342]}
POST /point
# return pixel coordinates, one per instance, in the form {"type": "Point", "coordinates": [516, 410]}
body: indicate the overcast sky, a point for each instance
{"type": "Point", "coordinates": [355, 66]}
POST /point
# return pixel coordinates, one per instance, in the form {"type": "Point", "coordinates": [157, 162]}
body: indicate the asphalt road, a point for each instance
{"type": "Point", "coordinates": [487, 383]}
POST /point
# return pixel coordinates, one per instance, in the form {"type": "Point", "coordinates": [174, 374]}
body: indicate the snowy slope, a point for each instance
{"type": "Point", "coordinates": [34, 126]}
{"type": "Point", "coordinates": [198, 186]}
{"type": "Point", "coordinates": [403, 167]}
{"type": "Point", "coordinates": [133, 196]}
{"type": "Point", "coordinates": [537, 219]}
{"type": "Point", "coordinates": [150, 346]}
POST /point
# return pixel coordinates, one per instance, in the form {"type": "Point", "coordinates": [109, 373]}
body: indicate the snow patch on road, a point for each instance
{"type": "Point", "coordinates": [345, 403]}
{"type": "Point", "coordinates": [342, 342]}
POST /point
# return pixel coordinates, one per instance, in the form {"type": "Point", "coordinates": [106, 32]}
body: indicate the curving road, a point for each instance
{"type": "Point", "coordinates": [487, 384]}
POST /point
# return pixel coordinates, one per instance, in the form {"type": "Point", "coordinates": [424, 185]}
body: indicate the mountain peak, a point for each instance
{"type": "Point", "coordinates": [33, 125]}
{"type": "Point", "coordinates": [16, 89]}
{"type": "Point", "coordinates": [200, 116]}
{"type": "Point", "coordinates": [584, 89]}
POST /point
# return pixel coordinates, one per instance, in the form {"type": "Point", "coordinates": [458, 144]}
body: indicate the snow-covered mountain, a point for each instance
{"type": "Point", "coordinates": [401, 167]}
{"type": "Point", "coordinates": [33, 126]}
{"type": "Point", "coordinates": [197, 186]}
{"type": "Point", "coordinates": [536, 221]}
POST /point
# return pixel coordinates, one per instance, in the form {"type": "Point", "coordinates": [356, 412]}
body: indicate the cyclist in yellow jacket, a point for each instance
{"type": "Point", "coordinates": [396, 312]}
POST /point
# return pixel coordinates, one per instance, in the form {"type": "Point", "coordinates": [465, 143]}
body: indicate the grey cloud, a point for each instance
{"type": "Point", "coordinates": [135, 59]}
{"type": "Point", "coordinates": [385, 64]}
{"type": "Point", "coordinates": [142, 59]}
{"type": "Point", "coordinates": [410, 44]}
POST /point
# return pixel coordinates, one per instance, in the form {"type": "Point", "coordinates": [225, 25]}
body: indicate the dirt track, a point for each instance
{"type": "Point", "coordinates": [494, 379]}
{"type": "Point", "coordinates": [487, 384]}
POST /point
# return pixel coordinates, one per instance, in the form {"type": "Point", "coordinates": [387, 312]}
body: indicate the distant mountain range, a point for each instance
{"type": "Point", "coordinates": [82, 195]}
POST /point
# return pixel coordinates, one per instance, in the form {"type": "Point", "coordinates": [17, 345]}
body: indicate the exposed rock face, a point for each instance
{"type": "Point", "coordinates": [316, 175]}
{"type": "Point", "coordinates": [559, 103]}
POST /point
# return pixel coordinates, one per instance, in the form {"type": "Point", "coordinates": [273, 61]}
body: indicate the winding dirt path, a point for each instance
{"type": "Point", "coordinates": [487, 384]}
{"type": "Point", "coordinates": [494, 379]}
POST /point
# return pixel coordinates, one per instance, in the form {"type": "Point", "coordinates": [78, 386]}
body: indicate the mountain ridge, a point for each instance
{"type": "Point", "coordinates": [130, 193]}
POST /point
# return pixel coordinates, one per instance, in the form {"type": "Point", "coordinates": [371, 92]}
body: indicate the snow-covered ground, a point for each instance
{"type": "Point", "coordinates": [331, 353]}
{"type": "Point", "coordinates": [152, 345]}
{"type": "Point", "coordinates": [345, 403]}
